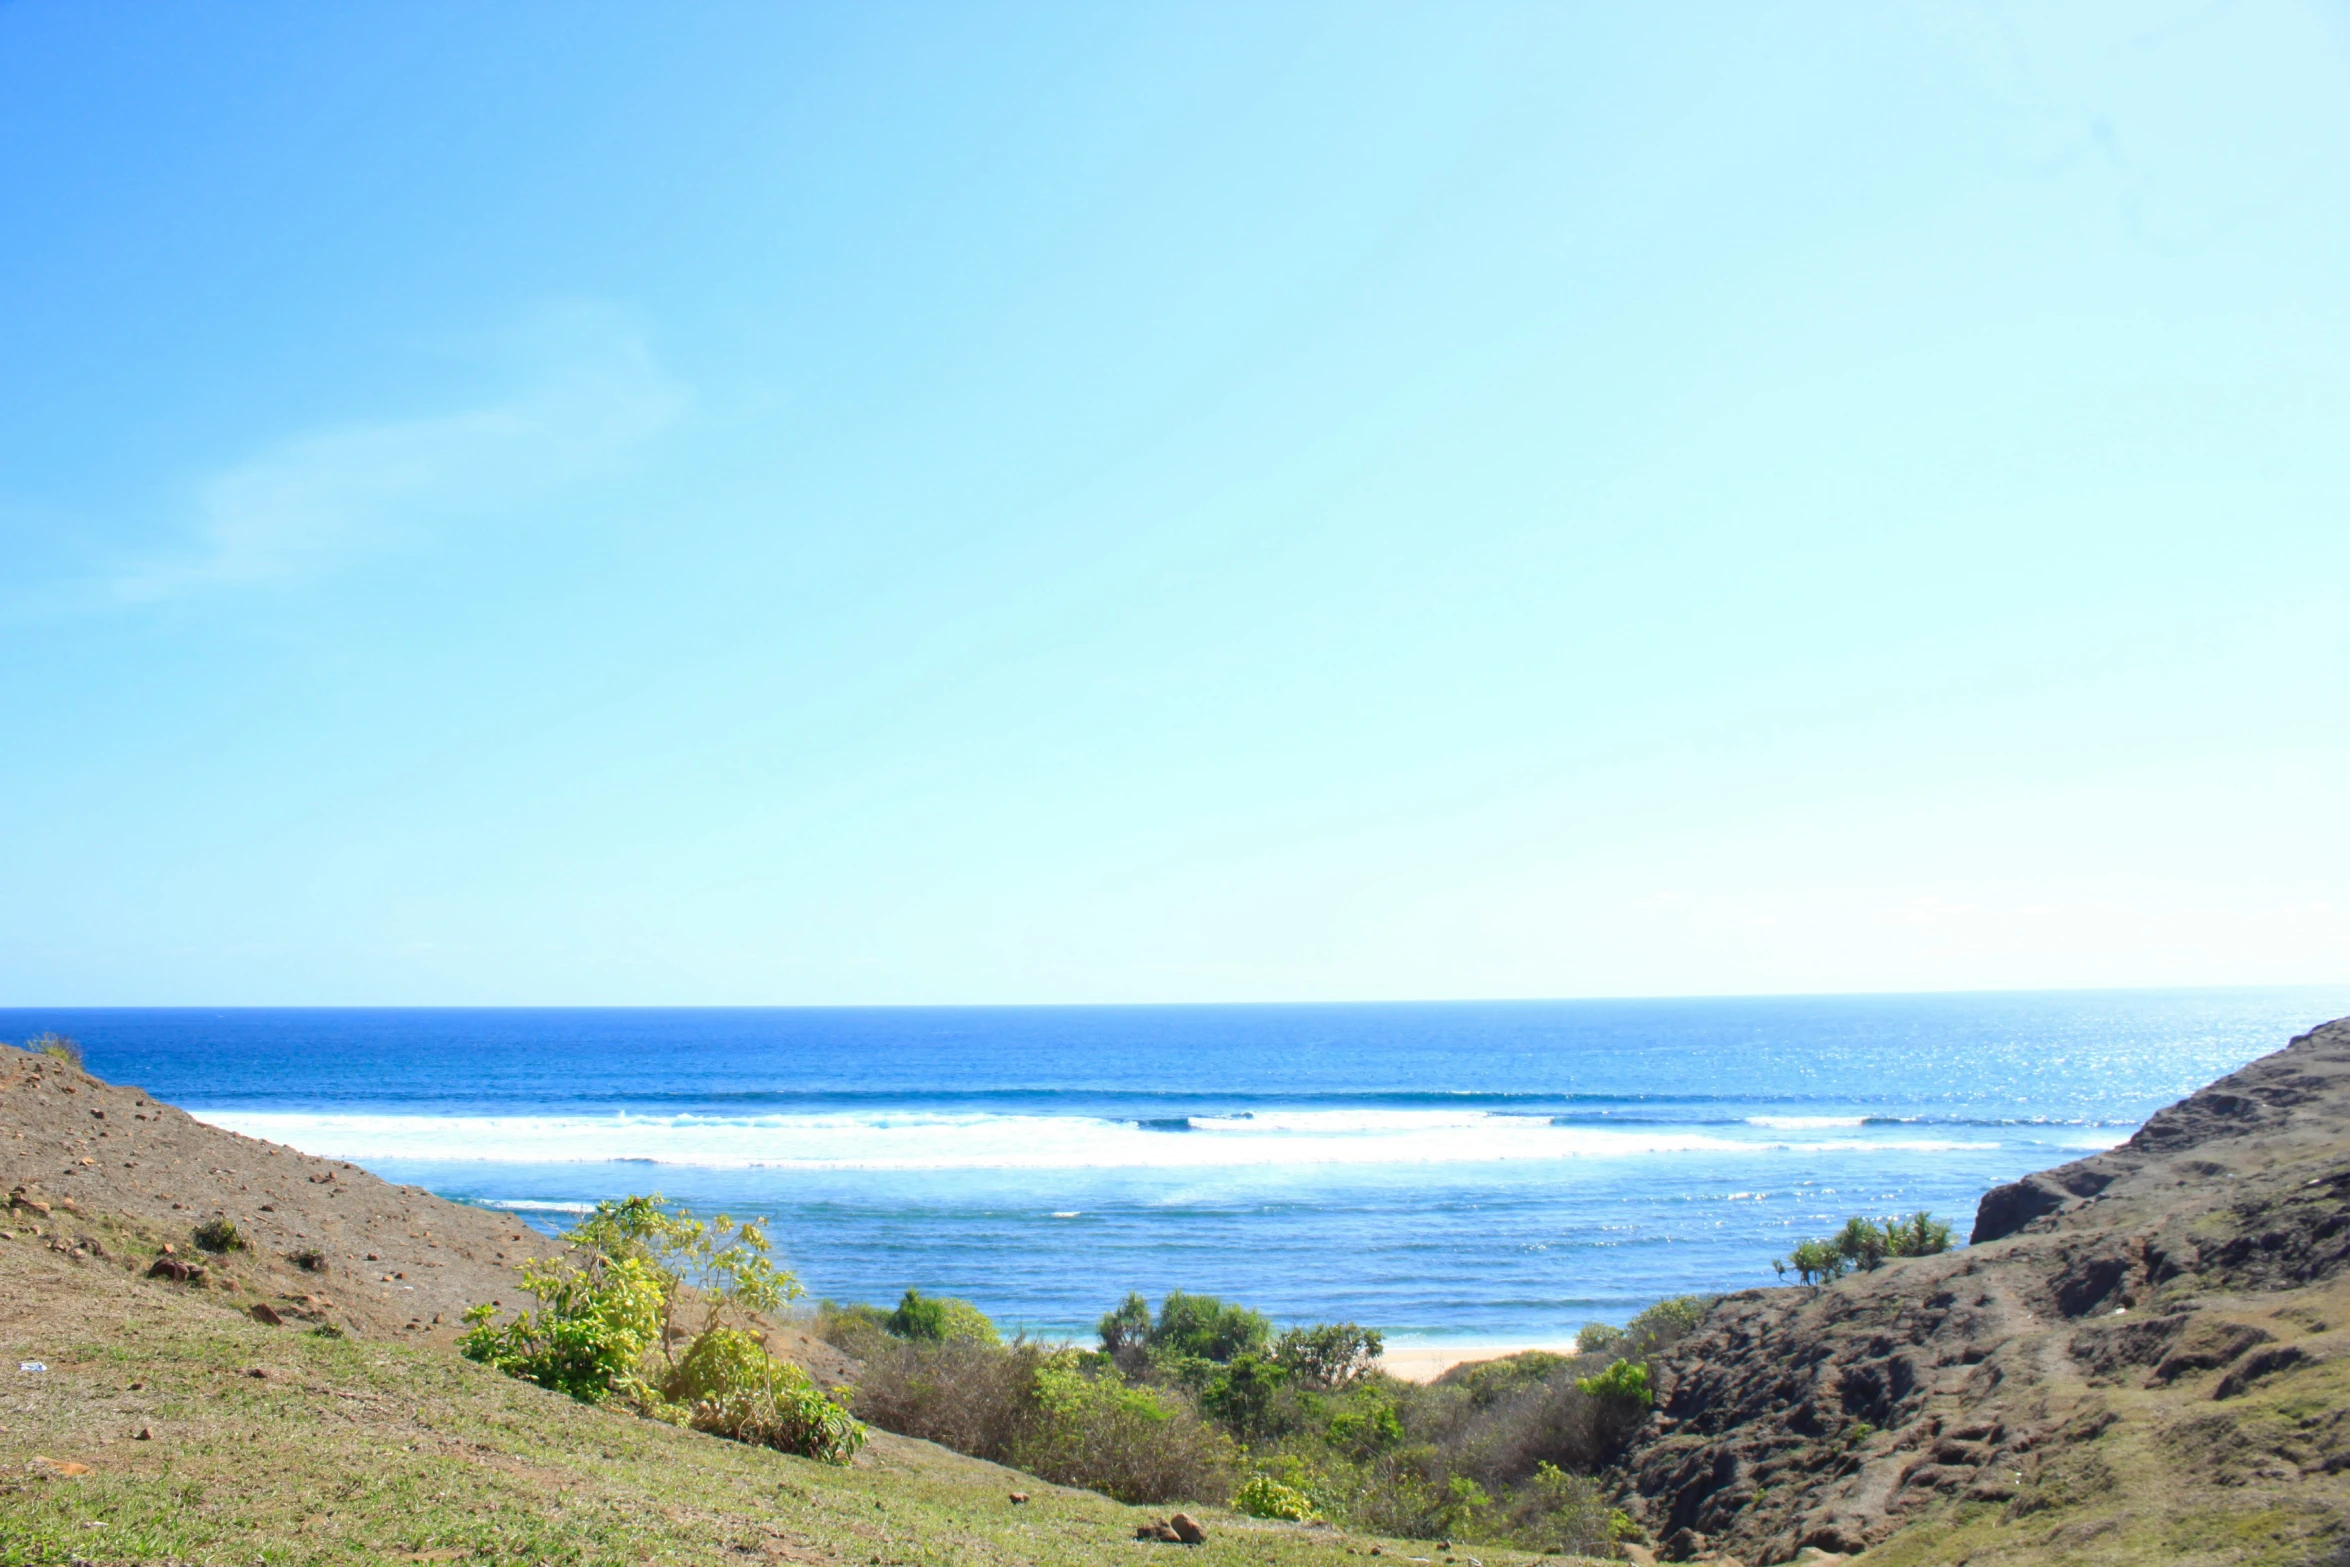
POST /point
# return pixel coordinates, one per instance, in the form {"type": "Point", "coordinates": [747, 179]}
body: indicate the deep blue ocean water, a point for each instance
{"type": "Point", "coordinates": [1477, 1172]}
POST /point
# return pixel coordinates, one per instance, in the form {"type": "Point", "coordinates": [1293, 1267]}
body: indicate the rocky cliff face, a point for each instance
{"type": "Point", "coordinates": [2141, 1357]}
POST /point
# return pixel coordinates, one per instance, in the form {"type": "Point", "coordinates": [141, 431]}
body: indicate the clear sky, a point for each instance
{"type": "Point", "coordinates": [894, 503]}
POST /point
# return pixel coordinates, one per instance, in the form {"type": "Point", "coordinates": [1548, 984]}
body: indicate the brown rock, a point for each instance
{"type": "Point", "coordinates": [263, 1312]}
{"type": "Point", "coordinates": [177, 1271]}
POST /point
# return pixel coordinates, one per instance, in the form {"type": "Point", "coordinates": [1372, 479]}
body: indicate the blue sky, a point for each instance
{"type": "Point", "coordinates": [991, 503]}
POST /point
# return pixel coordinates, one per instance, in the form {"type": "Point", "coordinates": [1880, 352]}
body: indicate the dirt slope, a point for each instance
{"type": "Point", "coordinates": [2143, 1357]}
{"type": "Point", "coordinates": [83, 1159]}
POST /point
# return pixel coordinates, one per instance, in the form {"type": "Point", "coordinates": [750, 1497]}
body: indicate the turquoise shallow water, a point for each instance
{"type": "Point", "coordinates": [1462, 1171]}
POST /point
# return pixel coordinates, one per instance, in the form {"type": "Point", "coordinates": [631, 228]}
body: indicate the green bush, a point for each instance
{"type": "Point", "coordinates": [1569, 1514]}
{"type": "Point", "coordinates": [1262, 1496]}
{"type": "Point", "coordinates": [1497, 1452]}
{"type": "Point", "coordinates": [219, 1234]}
{"type": "Point", "coordinates": [1328, 1355]}
{"type": "Point", "coordinates": [1624, 1381]}
{"type": "Point", "coordinates": [1597, 1338]}
{"type": "Point", "coordinates": [1204, 1327]}
{"type": "Point", "coordinates": [1068, 1416]}
{"type": "Point", "coordinates": [1663, 1325]}
{"type": "Point", "coordinates": [1813, 1262]}
{"type": "Point", "coordinates": [1490, 1382]}
{"type": "Point", "coordinates": [607, 1329]}
{"type": "Point", "coordinates": [598, 1318]}
{"type": "Point", "coordinates": [1240, 1396]}
{"type": "Point", "coordinates": [1922, 1235]}
{"type": "Point", "coordinates": [732, 1387]}
{"type": "Point", "coordinates": [1126, 1331]}
{"type": "Point", "coordinates": [938, 1318]}
{"type": "Point", "coordinates": [1865, 1245]}
{"type": "Point", "coordinates": [57, 1047]}
{"type": "Point", "coordinates": [1137, 1444]}
{"type": "Point", "coordinates": [1366, 1422]}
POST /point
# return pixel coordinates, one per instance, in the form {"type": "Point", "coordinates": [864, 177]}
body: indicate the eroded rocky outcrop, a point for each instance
{"type": "Point", "coordinates": [2140, 1334]}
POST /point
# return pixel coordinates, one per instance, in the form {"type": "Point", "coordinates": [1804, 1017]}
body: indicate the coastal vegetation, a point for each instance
{"type": "Point", "coordinates": [1202, 1400]}
{"type": "Point", "coordinates": [609, 1329]}
{"type": "Point", "coordinates": [56, 1046]}
{"type": "Point", "coordinates": [1863, 1245]}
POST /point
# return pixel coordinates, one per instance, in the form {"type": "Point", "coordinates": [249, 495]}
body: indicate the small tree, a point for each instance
{"type": "Point", "coordinates": [1127, 1329]}
{"type": "Point", "coordinates": [1329, 1355]}
{"type": "Point", "coordinates": [1623, 1382]}
{"type": "Point", "coordinates": [1862, 1244]}
{"type": "Point", "coordinates": [728, 1267]}
{"type": "Point", "coordinates": [630, 1270]}
{"type": "Point", "coordinates": [1203, 1326]}
{"type": "Point", "coordinates": [1813, 1262]}
{"type": "Point", "coordinates": [1240, 1396]}
{"type": "Point", "coordinates": [1922, 1235]}
{"type": "Point", "coordinates": [935, 1319]}
{"type": "Point", "coordinates": [1865, 1245]}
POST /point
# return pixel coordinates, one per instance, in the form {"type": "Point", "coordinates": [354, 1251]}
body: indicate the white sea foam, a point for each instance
{"type": "Point", "coordinates": [1805, 1123]}
{"type": "Point", "coordinates": [933, 1141]}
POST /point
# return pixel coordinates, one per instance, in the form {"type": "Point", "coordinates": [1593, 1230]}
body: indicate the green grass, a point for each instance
{"type": "Point", "coordinates": [371, 1451]}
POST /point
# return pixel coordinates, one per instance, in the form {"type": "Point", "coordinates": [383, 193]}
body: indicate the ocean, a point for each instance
{"type": "Point", "coordinates": [1449, 1172]}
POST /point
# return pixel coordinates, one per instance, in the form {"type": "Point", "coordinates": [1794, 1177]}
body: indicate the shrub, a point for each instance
{"type": "Point", "coordinates": [732, 1387]}
{"type": "Point", "coordinates": [598, 1318]}
{"type": "Point", "coordinates": [1262, 1496]}
{"type": "Point", "coordinates": [1557, 1511]}
{"type": "Point", "coordinates": [1239, 1397]}
{"type": "Point", "coordinates": [630, 1270]}
{"type": "Point", "coordinates": [1205, 1327]}
{"type": "Point", "coordinates": [1624, 1381]}
{"type": "Point", "coordinates": [1067, 1416]}
{"type": "Point", "coordinates": [1663, 1325]}
{"type": "Point", "coordinates": [56, 1046]}
{"type": "Point", "coordinates": [937, 1318]}
{"type": "Point", "coordinates": [1489, 1382]}
{"type": "Point", "coordinates": [962, 1394]}
{"type": "Point", "coordinates": [1597, 1338]}
{"type": "Point", "coordinates": [309, 1259]}
{"type": "Point", "coordinates": [1463, 1507]}
{"type": "Point", "coordinates": [1861, 1243]}
{"type": "Point", "coordinates": [1126, 1331]}
{"type": "Point", "coordinates": [1138, 1444]}
{"type": "Point", "coordinates": [1365, 1423]}
{"type": "Point", "coordinates": [1813, 1262]}
{"type": "Point", "coordinates": [1328, 1355]}
{"type": "Point", "coordinates": [1865, 1245]}
{"type": "Point", "coordinates": [1922, 1236]}
{"type": "Point", "coordinates": [218, 1234]}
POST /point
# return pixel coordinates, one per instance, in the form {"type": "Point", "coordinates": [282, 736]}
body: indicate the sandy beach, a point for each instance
{"type": "Point", "coordinates": [1427, 1362]}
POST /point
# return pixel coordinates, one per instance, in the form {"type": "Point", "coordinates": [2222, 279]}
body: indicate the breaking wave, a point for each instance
{"type": "Point", "coordinates": [929, 1140]}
